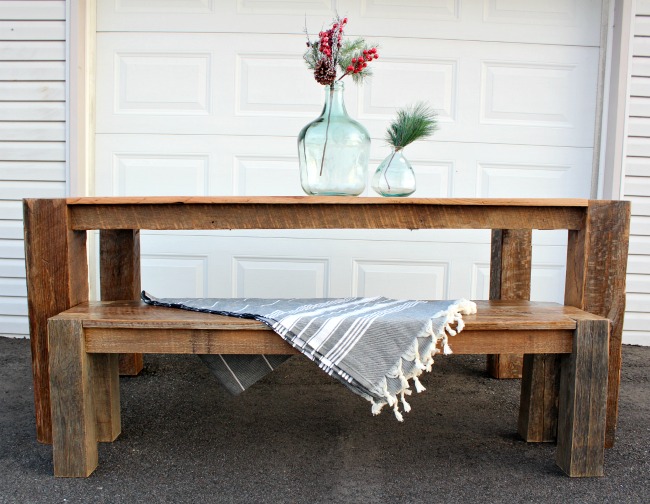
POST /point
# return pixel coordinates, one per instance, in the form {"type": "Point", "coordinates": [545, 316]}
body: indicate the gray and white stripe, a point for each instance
{"type": "Point", "coordinates": [372, 345]}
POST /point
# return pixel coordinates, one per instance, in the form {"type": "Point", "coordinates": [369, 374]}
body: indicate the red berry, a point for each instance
{"type": "Point", "coordinates": [350, 68]}
{"type": "Point", "coordinates": [354, 60]}
{"type": "Point", "coordinates": [345, 20]}
{"type": "Point", "coordinates": [376, 56]}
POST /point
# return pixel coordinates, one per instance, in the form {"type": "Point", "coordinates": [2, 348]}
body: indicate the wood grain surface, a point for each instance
{"type": "Point", "coordinates": [119, 268]}
{"type": "Point", "coordinates": [510, 270]}
{"type": "Point", "coordinates": [57, 278]}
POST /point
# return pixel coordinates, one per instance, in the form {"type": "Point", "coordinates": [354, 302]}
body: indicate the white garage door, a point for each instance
{"type": "Point", "coordinates": [207, 98]}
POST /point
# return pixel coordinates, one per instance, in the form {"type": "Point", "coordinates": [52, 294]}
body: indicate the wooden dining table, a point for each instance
{"type": "Point", "coordinates": [57, 262]}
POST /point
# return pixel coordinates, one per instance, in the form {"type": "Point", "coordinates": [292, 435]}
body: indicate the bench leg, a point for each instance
{"type": "Point", "coordinates": [539, 398]}
{"type": "Point", "coordinates": [582, 412]}
{"type": "Point", "coordinates": [74, 426]}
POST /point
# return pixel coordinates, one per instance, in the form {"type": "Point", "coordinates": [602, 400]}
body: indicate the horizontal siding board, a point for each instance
{"type": "Point", "coordinates": [637, 302]}
{"type": "Point", "coordinates": [641, 46]}
{"type": "Point", "coordinates": [32, 151]}
{"type": "Point", "coordinates": [638, 283]}
{"type": "Point", "coordinates": [12, 268]}
{"type": "Point", "coordinates": [638, 147]}
{"type": "Point", "coordinates": [640, 66]}
{"type": "Point", "coordinates": [13, 287]}
{"type": "Point", "coordinates": [53, 171]}
{"type": "Point", "coordinates": [32, 71]}
{"type": "Point", "coordinates": [643, 7]}
{"type": "Point", "coordinates": [14, 326]}
{"type": "Point", "coordinates": [636, 338]}
{"type": "Point", "coordinates": [32, 131]}
{"type": "Point", "coordinates": [11, 230]}
{"type": "Point", "coordinates": [639, 245]}
{"type": "Point", "coordinates": [11, 209]}
{"type": "Point", "coordinates": [637, 321]}
{"type": "Point", "coordinates": [637, 167]}
{"type": "Point", "coordinates": [639, 106]}
{"type": "Point", "coordinates": [640, 205]}
{"type": "Point", "coordinates": [13, 306]}
{"type": "Point", "coordinates": [642, 26]}
{"type": "Point", "coordinates": [33, 10]}
{"type": "Point", "coordinates": [18, 189]}
{"type": "Point", "coordinates": [640, 86]}
{"type": "Point", "coordinates": [32, 91]}
{"type": "Point", "coordinates": [637, 186]}
{"type": "Point", "coordinates": [640, 226]}
{"type": "Point", "coordinates": [32, 111]}
{"type": "Point", "coordinates": [639, 264]}
{"type": "Point", "coordinates": [23, 50]}
{"type": "Point", "coordinates": [12, 249]}
{"type": "Point", "coordinates": [32, 30]}
{"type": "Point", "coordinates": [638, 127]}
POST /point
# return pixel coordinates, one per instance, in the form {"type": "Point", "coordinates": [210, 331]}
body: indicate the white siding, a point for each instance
{"type": "Point", "coordinates": [636, 186]}
{"type": "Point", "coordinates": [32, 134]}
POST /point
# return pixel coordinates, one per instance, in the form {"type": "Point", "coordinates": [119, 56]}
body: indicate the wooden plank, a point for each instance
{"type": "Point", "coordinates": [540, 383]}
{"type": "Point", "coordinates": [332, 200]}
{"type": "Point", "coordinates": [74, 434]}
{"type": "Point", "coordinates": [595, 282]}
{"type": "Point", "coordinates": [119, 260]}
{"type": "Point", "coordinates": [492, 315]}
{"type": "Point", "coordinates": [57, 276]}
{"type": "Point", "coordinates": [265, 341]}
{"type": "Point", "coordinates": [510, 269]}
{"type": "Point", "coordinates": [320, 213]}
{"type": "Point", "coordinates": [106, 396]}
{"type": "Point", "coordinates": [582, 411]}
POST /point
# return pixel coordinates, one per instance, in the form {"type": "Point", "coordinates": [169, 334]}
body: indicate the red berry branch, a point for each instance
{"type": "Point", "coordinates": [330, 52]}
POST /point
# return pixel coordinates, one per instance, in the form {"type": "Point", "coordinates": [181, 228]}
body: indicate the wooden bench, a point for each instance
{"type": "Point", "coordinates": [57, 278]}
{"type": "Point", "coordinates": [85, 340]}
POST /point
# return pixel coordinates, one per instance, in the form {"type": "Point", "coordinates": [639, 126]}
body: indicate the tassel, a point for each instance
{"type": "Point", "coordinates": [407, 406]}
{"type": "Point", "coordinates": [398, 415]}
{"type": "Point", "coordinates": [377, 407]}
{"type": "Point", "coordinates": [418, 385]}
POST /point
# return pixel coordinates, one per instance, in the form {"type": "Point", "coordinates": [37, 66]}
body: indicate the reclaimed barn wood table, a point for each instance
{"type": "Point", "coordinates": [57, 267]}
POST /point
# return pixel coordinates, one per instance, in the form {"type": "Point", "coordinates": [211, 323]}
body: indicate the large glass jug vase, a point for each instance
{"type": "Point", "coordinates": [333, 150]}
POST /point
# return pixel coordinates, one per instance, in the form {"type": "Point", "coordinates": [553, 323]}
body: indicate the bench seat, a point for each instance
{"type": "Point", "coordinates": [84, 343]}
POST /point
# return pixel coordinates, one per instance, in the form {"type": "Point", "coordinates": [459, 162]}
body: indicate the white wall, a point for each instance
{"type": "Point", "coordinates": [32, 134]}
{"type": "Point", "coordinates": [636, 183]}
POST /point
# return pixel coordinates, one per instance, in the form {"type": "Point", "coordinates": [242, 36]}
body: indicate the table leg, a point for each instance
{"type": "Point", "coordinates": [57, 279]}
{"type": "Point", "coordinates": [119, 273]}
{"type": "Point", "coordinates": [583, 401]}
{"type": "Point", "coordinates": [510, 266]}
{"type": "Point", "coordinates": [596, 270]}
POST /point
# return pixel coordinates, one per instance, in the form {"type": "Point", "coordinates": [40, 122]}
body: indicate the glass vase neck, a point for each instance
{"type": "Point", "coordinates": [334, 102]}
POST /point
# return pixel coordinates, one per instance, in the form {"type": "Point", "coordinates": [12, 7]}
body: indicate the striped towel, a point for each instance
{"type": "Point", "coordinates": [374, 346]}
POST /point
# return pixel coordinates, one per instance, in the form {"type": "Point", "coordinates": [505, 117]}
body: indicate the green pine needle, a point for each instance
{"type": "Point", "coordinates": [412, 123]}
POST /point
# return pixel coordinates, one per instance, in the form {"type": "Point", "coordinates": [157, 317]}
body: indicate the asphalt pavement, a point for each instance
{"type": "Point", "coordinates": [300, 437]}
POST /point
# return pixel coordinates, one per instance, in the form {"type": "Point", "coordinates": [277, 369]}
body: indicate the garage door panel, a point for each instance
{"type": "Point", "coordinates": [574, 22]}
{"type": "Point", "coordinates": [166, 84]}
{"type": "Point", "coordinates": [203, 165]}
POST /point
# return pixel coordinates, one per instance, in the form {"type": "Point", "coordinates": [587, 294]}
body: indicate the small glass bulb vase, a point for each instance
{"type": "Point", "coordinates": [394, 176]}
{"type": "Point", "coordinates": [333, 150]}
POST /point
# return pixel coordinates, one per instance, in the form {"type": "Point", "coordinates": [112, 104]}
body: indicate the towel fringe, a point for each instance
{"type": "Point", "coordinates": [453, 315]}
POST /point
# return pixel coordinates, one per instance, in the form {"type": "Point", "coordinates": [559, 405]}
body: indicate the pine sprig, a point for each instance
{"type": "Point", "coordinates": [412, 123]}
